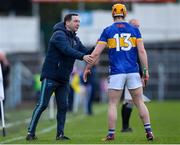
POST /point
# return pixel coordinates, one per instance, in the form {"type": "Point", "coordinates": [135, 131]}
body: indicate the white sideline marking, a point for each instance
{"type": "Point", "coordinates": [8, 125]}
{"type": "Point", "coordinates": [46, 129]}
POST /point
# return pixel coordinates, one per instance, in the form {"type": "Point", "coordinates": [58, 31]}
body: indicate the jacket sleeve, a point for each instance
{"type": "Point", "coordinates": [59, 39]}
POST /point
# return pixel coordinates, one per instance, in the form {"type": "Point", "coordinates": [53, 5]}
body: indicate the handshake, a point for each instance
{"type": "Point", "coordinates": [89, 59]}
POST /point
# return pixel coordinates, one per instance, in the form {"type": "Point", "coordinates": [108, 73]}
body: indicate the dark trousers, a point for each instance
{"type": "Point", "coordinates": [90, 97]}
{"type": "Point", "coordinates": [61, 91]}
{"type": "Point", "coordinates": [70, 99]}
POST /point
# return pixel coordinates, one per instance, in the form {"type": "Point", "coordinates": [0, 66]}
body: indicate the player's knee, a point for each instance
{"type": "Point", "coordinates": [63, 107]}
{"type": "Point", "coordinates": [44, 106]}
{"type": "Point", "coordinates": [138, 100]}
{"type": "Point", "coordinates": [41, 107]}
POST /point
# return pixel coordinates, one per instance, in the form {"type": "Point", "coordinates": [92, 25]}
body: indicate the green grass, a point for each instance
{"type": "Point", "coordinates": [82, 129]}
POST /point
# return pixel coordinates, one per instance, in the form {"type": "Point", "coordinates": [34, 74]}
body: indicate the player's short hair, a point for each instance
{"type": "Point", "coordinates": [134, 22]}
{"type": "Point", "coordinates": [68, 17]}
{"type": "Point", "coordinates": [119, 10]}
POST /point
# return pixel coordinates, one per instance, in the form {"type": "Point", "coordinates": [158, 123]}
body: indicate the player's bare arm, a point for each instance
{"type": "Point", "coordinates": [143, 59]}
{"type": "Point", "coordinates": [95, 55]}
{"type": "Point", "coordinates": [97, 51]}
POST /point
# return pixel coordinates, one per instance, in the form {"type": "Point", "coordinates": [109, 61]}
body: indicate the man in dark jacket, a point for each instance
{"type": "Point", "coordinates": [64, 48]}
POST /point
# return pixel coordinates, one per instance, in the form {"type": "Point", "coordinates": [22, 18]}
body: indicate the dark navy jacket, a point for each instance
{"type": "Point", "coordinates": [64, 47]}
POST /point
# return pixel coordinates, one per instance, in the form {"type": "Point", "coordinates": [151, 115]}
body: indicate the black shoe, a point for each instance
{"type": "Point", "coordinates": [125, 130]}
{"type": "Point", "coordinates": [62, 137]}
{"type": "Point", "coordinates": [149, 136]}
{"type": "Point", "coordinates": [30, 137]}
{"type": "Point", "coordinates": [109, 138]}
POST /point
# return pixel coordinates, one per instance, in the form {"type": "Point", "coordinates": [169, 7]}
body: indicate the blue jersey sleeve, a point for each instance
{"type": "Point", "coordinates": [103, 36]}
{"type": "Point", "coordinates": [138, 34]}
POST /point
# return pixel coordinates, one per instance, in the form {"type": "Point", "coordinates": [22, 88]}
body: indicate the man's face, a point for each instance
{"type": "Point", "coordinates": [74, 24]}
{"type": "Point", "coordinates": [135, 23]}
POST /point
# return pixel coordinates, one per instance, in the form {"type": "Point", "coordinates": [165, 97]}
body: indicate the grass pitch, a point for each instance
{"type": "Point", "coordinates": [82, 129]}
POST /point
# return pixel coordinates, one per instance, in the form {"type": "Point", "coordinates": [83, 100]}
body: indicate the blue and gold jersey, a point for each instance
{"type": "Point", "coordinates": [121, 39]}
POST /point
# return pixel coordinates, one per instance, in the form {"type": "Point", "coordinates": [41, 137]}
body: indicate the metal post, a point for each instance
{"type": "Point", "coordinates": [161, 82]}
{"type": "Point", "coordinates": [2, 116]}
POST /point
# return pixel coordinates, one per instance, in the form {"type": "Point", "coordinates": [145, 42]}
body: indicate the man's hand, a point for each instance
{"type": "Point", "coordinates": [89, 59]}
{"type": "Point", "coordinates": [87, 71]}
{"type": "Point", "coordinates": [145, 76]}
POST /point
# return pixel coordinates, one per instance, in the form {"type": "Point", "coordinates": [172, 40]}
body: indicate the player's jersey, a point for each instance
{"type": "Point", "coordinates": [121, 38]}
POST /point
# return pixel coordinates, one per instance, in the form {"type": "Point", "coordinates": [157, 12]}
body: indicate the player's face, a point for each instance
{"type": "Point", "coordinates": [74, 24]}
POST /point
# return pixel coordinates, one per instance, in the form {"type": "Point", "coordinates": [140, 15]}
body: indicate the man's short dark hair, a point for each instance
{"type": "Point", "coordinates": [68, 17]}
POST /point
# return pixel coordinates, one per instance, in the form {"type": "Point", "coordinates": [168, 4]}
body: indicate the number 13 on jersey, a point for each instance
{"type": "Point", "coordinates": [124, 41]}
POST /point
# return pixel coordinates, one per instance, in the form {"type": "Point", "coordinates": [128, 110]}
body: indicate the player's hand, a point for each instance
{"type": "Point", "coordinates": [85, 74]}
{"type": "Point", "coordinates": [145, 77]}
{"type": "Point", "coordinates": [89, 59]}
{"type": "Point", "coordinates": [143, 82]}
